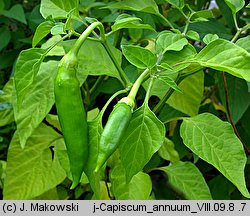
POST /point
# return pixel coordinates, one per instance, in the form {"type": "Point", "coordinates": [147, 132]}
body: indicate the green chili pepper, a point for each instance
{"type": "Point", "coordinates": [72, 115]}
{"type": "Point", "coordinates": [113, 131]}
{"type": "Point", "coordinates": [70, 109]}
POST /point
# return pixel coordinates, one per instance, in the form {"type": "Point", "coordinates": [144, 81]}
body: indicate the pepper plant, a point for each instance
{"type": "Point", "coordinates": [133, 99]}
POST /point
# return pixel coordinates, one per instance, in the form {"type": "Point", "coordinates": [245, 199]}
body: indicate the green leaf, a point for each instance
{"type": "Point", "coordinates": [226, 12]}
{"type": "Point", "coordinates": [54, 121]}
{"type": "Point", "coordinates": [186, 179]}
{"type": "Point", "coordinates": [200, 19]}
{"type": "Point", "coordinates": [173, 58]}
{"type": "Point", "coordinates": [140, 57]}
{"type": "Point", "coordinates": [223, 192]}
{"type": "Point", "coordinates": [168, 114]}
{"type": "Point", "coordinates": [69, 23]}
{"type": "Point", "coordinates": [189, 100]}
{"type": "Point", "coordinates": [159, 87]}
{"type": "Point", "coordinates": [5, 105]}
{"type": "Point", "coordinates": [169, 60]}
{"type": "Point", "coordinates": [7, 114]}
{"type": "Point", "coordinates": [143, 137]}
{"type": "Point", "coordinates": [62, 155]}
{"type": "Point", "coordinates": [136, 34]}
{"type": "Point", "coordinates": [177, 3]}
{"type": "Point", "coordinates": [210, 38]}
{"type": "Point", "coordinates": [148, 6]}
{"type": "Point", "coordinates": [238, 96]}
{"type": "Point", "coordinates": [168, 152]}
{"type": "Point", "coordinates": [94, 60]}
{"type": "Point", "coordinates": [90, 20]}
{"type": "Point", "coordinates": [225, 56]}
{"type": "Point", "coordinates": [58, 29]}
{"type": "Point", "coordinates": [38, 102]}
{"type": "Point", "coordinates": [2, 4]}
{"type": "Point", "coordinates": [113, 160]}
{"type": "Point", "coordinates": [133, 26]}
{"type": "Point", "coordinates": [211, 27]}
{"type": "Point", "coordinates": [58, 9]}
{"type": "Point", "coordinates": [2, 172]}
{"type": "Point", "coordinates": [48, 195]}
{"type": "Point", "coordinates": [235, 5]}
{"type": "Point", "coordinates": [170, 82]}
{"type": "Point", "coordinates": [17, 13]}
{"type": "Point", "coordinates": [103, 191]}
{"type": "Point", "coordinates": [28, 177]}
{"type": "Point", "coordinates": [248, 6]}
{"type": "Point", "coordinates": [110, 86]}
{"type": "Point", "coordinates": [34, 18]}
{"type": "Point", "coordinates": [202, 15]}
{"type": "Point", "coordinates": [124, 19]}
{"type": "Point", "coordinates": [57, 50]}
{"type": "Point", "coordinates": [170, 41]}
{"type": "Point", "coordinates": [127, 21]}
{"type": "Point", "coordinates": [92, 114]}
{"type": "Point", "coordinates": [244, 43]}
{"type": "Point", "coordinates": [6, 93]}
{"type": "Point", "coordinates": [26, 69]}
{"type": "Point", "coordinates": [42, 31]}
{"type": "Point", "coordinates": [193, 35]}
{"type": "Point", "coordinates": [5, 36]}
{"type": "Point", "coordinates": [244, 128]}
{"type": "Point", "coordinates": [166, 66]}
{"type": "Point", "coordinates": [7, 58]}
{"type": "Point", "coordinates": [215, 142]}
{"type": "Point", "coordinates": [139, 188]}
{"type": "Point", "coordinates": [95, 131]}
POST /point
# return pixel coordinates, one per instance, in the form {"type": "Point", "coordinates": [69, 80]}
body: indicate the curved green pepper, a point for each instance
{"type": "Point", "coordinates": [113, 131]}
{"type": "Point", "coordinates": [72, 115]}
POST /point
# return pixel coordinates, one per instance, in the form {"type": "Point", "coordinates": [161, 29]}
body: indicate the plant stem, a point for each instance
{"type": "Point", "coordinates": [86, 94]}
{"type": "Point", "coordinates": [230, 115]}
{"type": "Point", "coordinates": [122, 74]}
{"type": "Point", "coordinates": [89, 38]}
{"type": "Point", "coordinates": [137, 84]}
{"type": "Point", "coordinates": [96, 84]}
{"type": "Point", "coordinates": [57, 42]}
{"type": "Point", "coordinates": [167, 21]}
{"type": "Point", "coordinates": [187, 23]}
{"type": "Point", "coordinates": [235, 22]}
{"type": "Point", "coordinates": [173, 119]}
{"type": "Point", "coordinates": [236, 36]}
{"type": "Point", "coordinates": [239, 31]}
{"type": "Point", "coordinates": [186, 27]}
{"type": "Point", "coordinates": [186, 17]}
{"type": "Point", "coordinates": [85, 35]}
{"type": "Point", "coordinates": [110, 100]}
{"type": "Point", "coordinates": [149, 90]}
{"type": "Point", "coordinates": [118, 38]}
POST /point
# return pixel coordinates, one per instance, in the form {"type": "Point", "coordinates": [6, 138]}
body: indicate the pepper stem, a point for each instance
{"type": "Point", "coordinates": [110, 100]}
{"type": "Point", "coordinates": [137, 84]}
{"type": "Point", "coordinates": [76, 47]}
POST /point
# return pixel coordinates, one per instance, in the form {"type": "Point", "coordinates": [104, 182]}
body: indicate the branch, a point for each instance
{"type": "Point", "coordinates": [230, 115]}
